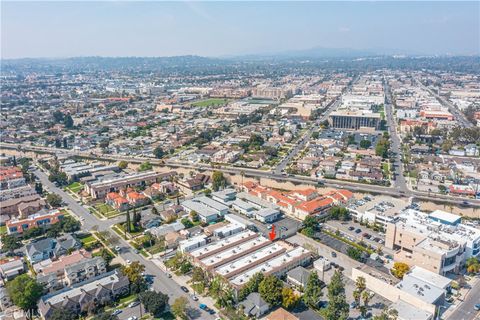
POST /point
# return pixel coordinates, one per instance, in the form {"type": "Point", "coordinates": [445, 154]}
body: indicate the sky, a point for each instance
{"type": "Point", "coordinates": [120, 28]}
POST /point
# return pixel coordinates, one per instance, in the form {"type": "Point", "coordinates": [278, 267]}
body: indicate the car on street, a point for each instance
{"type": "Point", "coordinates": [351, 228]}
{"type": "Point", "coordinates": [184, 289]}
{"type": "Point", "coordinates": [194, 297]}
{"type": "Point", "coordinates": [334, 254]}
{"type": "Point", "coordinates": [477, 307]}
{"type": "Point", "coordinates": [169, 275]}
{"type": "Point", "coordinates": [117, 248]}
{"type": "Point", "coordinates": [128, 261]}
{"type": "Point", "coordinates": [133, 304]}
{"type": "Point", "coordinates": [132, 318]}
{"type": "Point", "coordinates": [116, 312]}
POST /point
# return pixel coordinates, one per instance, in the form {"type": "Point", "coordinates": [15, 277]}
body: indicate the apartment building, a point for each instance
{"type": "Point", "coordinates": [72, 273]}
{"type": "Point", "coordinates": [78, 298]}
{"type": "Point", "coordinates": [11, 177]}
{"type": "Point", "coordinates": [99, 189]}
{"type": "Point", "coordinates": [237, 257]}
{"type": "Point", "coordinates": [438, 242]}
{"type": "Point", "coordinates": [17, 192]}
{"type": "Point", "coordinates": [38, 220]}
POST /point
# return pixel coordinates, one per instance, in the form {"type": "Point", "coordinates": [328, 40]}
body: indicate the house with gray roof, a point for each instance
{"type": "Point", "coordinates": [254, 305]}
{"type": "Point", "coordinates": [51, 248]}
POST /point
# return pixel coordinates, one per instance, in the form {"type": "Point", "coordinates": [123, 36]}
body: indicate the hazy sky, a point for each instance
{"type": "Point", "coordinates": [117, 28]}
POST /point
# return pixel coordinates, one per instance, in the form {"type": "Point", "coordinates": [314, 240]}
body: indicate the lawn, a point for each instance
{"type": "Point", "coordinates": [88, 239]}
{"type": "Point", "coordinates": [106, 210]}
{"type": "Point", "coordinates": [3, 230]}
{"type": "Point", "coordinates": [75, 187]}
{"type": "Point", "coordinates": [210, 102]}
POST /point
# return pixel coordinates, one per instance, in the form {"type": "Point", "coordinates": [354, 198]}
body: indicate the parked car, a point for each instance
{"type": "Point", "coordinates": [194, 297]}
{"type": "Point", "coordinates": [334, 254]}
{"type": "Point", "coordinates": [116, 312]}
{"type": "Point", "coordinates": [351, 228]}
{"type": "Point", "coordinates": [184, 289]}
{"type": "Point", "coordinates": [203, 306]}
{"type": "Point", "coordinates": [133, 304]}
{"type": "Point", "coordinates": [358, 230]}
{"type": "Point", "coordinates": [477, 307]}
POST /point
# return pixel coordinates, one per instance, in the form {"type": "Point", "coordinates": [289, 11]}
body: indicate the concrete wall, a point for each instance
{"type": "Point", "coordinates": [391, 292]}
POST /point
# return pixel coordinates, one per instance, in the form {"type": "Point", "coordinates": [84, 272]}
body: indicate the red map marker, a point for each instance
{"type": "Point", "coordinates": [272, 233]}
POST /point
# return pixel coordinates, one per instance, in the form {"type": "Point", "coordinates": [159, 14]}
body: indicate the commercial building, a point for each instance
{"type": "Point", "coordinates": [99, 189]}
{"type": "Point", "coordinates": [80, 169]}
{"type": "Point", "coordinates": [419, 295]}
{"type": "Point", "coordinates": [354, 120]}
{"type": "Point", "coordinates": [190, 244]}
{"type": "Point", "coordinates": [376, 209]}
{"type": "Point", "coordinates": [208, 210]}
{"type": "Point", "coordinates": [78, 298]}
{"type": "Point", "coordinates": [438, 242]}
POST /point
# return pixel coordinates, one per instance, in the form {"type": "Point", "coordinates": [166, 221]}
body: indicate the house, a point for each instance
{"type": "Point", "coordinates": [136, 199]}
{"type": "Point", "coordinates": [51, 248]}
{"type": "Point", "coordinates": [78, 298]}
{"type": "Point", "coordinates": [254, 305]}
{"type": "Point", "coordinates": [5, 301]}
{"type": "Point", "coordinates": [298, 277]}
{"type": "Point", "coordinates": [10, 268]}
{"type": "Point", "coordinates": [172, 239]}
{"type": "Point", "coordinates": [281, 314]}
{"type": "Point", "coordinates": [117, 201]}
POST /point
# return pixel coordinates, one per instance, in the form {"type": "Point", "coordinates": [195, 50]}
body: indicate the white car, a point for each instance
{"type": "Point", "coordinates": [132, 318]}
{"type": "Point", "coordinates": [128, 261]}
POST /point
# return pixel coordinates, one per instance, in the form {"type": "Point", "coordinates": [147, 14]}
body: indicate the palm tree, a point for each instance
{"type": "Point", "coordinates": [366, 296]}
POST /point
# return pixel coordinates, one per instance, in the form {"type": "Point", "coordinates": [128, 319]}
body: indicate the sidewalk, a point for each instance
{"type": "Point", "coordinates": [464, 292]}
{"type": "Point", "coordinates": [182, 281]}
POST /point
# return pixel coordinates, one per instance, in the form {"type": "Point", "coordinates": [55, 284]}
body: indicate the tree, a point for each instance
{"type": "Point", "coordinates": [54, 200]}
{"type": "Point", "coordinates": [58, 143]}
{"type": "Point", "coordinates": [289, 298]}
{"type": "Point", "coordinates": [382, 147]}
{"type": "Point", "coordinates": [158, 153]}
{"type": "Point", "coordinates": [360, 286]}
{"type": "Point", "coordinates": [399, 269]}
{"type": "Point", "coordinates": [58, 116]}
{"type": "Point", "coordinates": [473, 265]}
{"type": "Point", "coordinates": [179, 307]}
{"type": "Point", "coordinates": [313, 291]}
{"type": "Point", "coordinates": [154, 302]}
{"type": "Point", "coordinates": [339, 213]}
{"type": "Point", "coordinates": [123, 165]}
{"type": "Point", "coordinates": [270, 290]}
{"type": "Point", "coordinates": [387, 314]}
{"type": "Point", "coordinates": [63, 314]}
{"type": "Point", "coordinates": [366, 296]}
{"type": "Point", "coordinates": [39, 187]}
{"type": "Point", "coordinates": [65, 142]}
{"type": "Point", "coordinates": [194, 216]}
{"type": "Point", "coordinates": [337, 308]}
{"type": "Point", "coordinates": [134, 274]}
{"type": "Point", "coordinates": [145, 166]}
{"type": "Point", "coordinates": [68, 121]}
{"type": "Point", "coordinates": [24, 291]}
{"type": "Point", "coordinates": [365, 144]}
{"type": "Point", "coordinates": [251, 286]}
{"type": "Point", "coordinates": [354, 253]}
{"type": "Point", "coordinates": [218, 180]}
{"type": "Point", "coordinates": [10, 242]}
{"type": "Point", "coordinates": [315, 135]}
{"type": "Point", "coordinates": [128, 225]}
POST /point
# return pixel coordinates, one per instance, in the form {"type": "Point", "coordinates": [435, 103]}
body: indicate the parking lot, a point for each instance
{"type": "Point", "coordinates": [349, 229]}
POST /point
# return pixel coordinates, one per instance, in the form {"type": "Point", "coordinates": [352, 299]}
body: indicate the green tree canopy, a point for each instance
{"type": "Point", "coordinates": [270, 289]}
{"type": "Point", "coordinates": [337, 308]}
{"type": "Point", "coordinates": [154, 302]}
{"type": "Point", "coordinates": [24, 291]}
{"type": "Point", "coordinates": [218, 180]}
{"type": "Point", "coordinates": [313, 291]}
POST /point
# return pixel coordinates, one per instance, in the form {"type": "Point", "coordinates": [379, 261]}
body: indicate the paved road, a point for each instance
{"type": "Point", "coordinates": [465, 310]}
{"type": "Point", "coordinates": [352, 186]}
{"type": "Point", "coordinates": [161, 281]}
{"type": "Point", "coordinates": [459, 116]}
{"type": "Point", "coordinates": [396, 147]}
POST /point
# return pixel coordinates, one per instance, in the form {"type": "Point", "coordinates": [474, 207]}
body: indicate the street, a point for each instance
{"type": "Point", "coordinates": [161, 281]}
{"type": "Point", "coordinates": [465, 310]}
